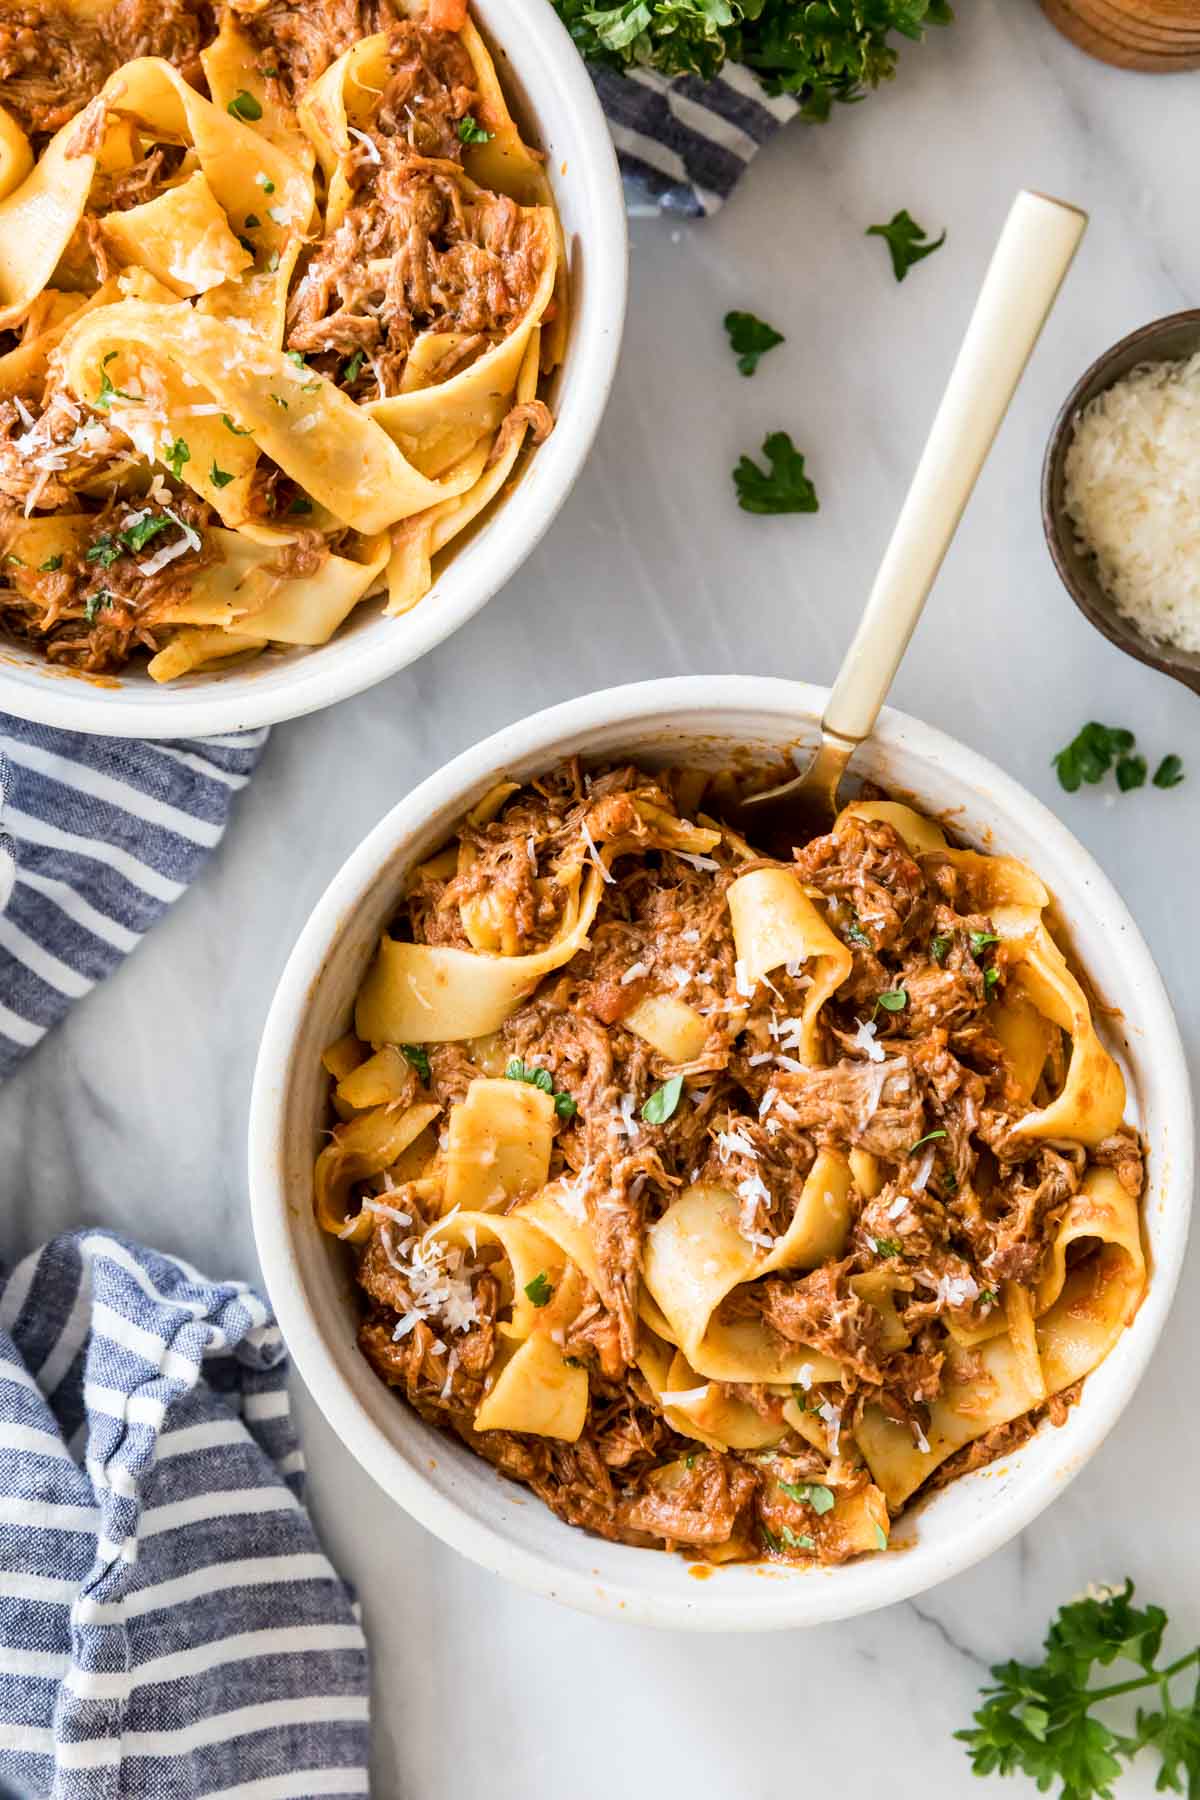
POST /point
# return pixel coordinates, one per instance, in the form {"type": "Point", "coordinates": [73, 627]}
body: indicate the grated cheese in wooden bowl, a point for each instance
{"type": "Point", "coordinates": [1132, 493]}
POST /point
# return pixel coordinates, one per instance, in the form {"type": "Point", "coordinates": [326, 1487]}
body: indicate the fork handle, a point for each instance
{"type": "Point", "coordinates": [1039, 239]}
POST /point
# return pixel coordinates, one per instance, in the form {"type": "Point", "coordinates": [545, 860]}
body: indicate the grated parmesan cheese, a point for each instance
{"type": "Point", "coordinates": [1132, 492]}
{"type": "Point", "coordinates": [865, 1038]}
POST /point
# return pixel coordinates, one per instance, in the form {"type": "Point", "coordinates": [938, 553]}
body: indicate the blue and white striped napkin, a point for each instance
{"type": "Point", "coordinates": [97, 837]}
{"type": "Point", "coordinates": [169, 1627]}
{"type": "Point", "coordinates": [684, 144]}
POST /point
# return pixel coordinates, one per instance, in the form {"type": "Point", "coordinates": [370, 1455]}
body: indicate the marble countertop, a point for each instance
{"type": "Point", "coordinates": [133, 1114]}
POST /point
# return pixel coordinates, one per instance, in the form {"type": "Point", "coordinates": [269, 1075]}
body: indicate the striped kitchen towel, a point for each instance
{"type": "Point", "coordinates": [169, 1627]}
{"type": "Point", "coordinates": [683, 143]}
{"type": "Point", "coordinates": [97, 837]}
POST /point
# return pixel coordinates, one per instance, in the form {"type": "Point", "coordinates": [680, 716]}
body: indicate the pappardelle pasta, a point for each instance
{"type": "Point", "coordinates": [278, 287]}
{"type": "Point", "coordinates": [729, 1203]}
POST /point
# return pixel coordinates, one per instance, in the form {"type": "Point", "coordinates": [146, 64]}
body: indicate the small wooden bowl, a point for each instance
{"type": "Point", "coordinates": [1172, 339]}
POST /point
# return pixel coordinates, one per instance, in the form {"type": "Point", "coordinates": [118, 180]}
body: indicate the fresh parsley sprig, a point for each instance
{"type": "Point", "coordinates": [781, 488]}
{"type": "Point", "coordinates": [907, 241]}
{"type": "Point", "coordinates": [516, 1070]}
{"type": "Point", "coordinates": [1040, 1719]}
{"type": "Point", "coordinates": [750, 338]}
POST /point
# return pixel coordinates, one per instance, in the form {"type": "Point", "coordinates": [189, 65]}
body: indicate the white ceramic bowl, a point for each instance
{"type": "Point", "coordinates": [552, 96]}
{"type": "Point", "coordinates": [460, 1497]}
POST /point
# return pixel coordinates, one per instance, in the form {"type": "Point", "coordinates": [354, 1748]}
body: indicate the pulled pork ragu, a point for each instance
{"type": "Point", "coordinates": [421, 248]}
{"type": "Point", "coordinates": [963, 1208]}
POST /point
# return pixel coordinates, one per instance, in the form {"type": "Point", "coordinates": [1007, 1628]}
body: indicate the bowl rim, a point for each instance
{"type": "Point", "coordinates": [512, 529]}
{"type": "Point", "coordinates": [661, 705]}
{"type": "Point", "coordinates": [1127, 638]}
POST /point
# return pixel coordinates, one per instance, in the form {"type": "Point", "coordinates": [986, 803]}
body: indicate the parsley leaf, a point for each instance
{"type": "Point", "coordinates": [894, 1001]}
{"type": "Point", "coordinates": [244, 106]}
{"type": "Point", "coordinates": [797, 1540]}
{"type": "Point", "coordinates": [103, 551]}
{"type": "Point", "coordinates": [93, 603]}
{"type": "Point", "coordinates": [1169, 772]}
{"type": "Point", "coordinates": [1131, 772]}
{"type": "Point", "coordinates": [856, 935]}
{"type": "Point", "coordinates": [539, 1290]}
{"type": "Point", "coordinates": [237, 430]}
{"type": "Point", "coordinates": [663, 1101]}
{"type": "Point", "coordinates": [991, 978]}
{"type": "Point", "coordinates": [980, 941]}
{"type": "Point", "coordinates": [929, 1138]}
{"type": "Point", "coordinates": [265, 183]}
{"type": "Point", "coordinates": [1089, 755]}
{"type": "Point", "coordinates": [51, 565]}
{"type": "Point", "coordinates": [939, 946]}
{"type": "Point", "coordinates": [564, 1105]}
{"type": "Point", "coordinates": [784, 488]}
{"type": "Point", "coordinates": [108, 393]}
{"type": "Point", "coordinates": [412, 1053]}
{"type": "Point", "coordinates": [136, 536]}
{"type": "Point", "coordinates": [219, 477]}
{"type": "Point", "coordinates": [350, 370]}
{"type": "Point", "coordinates": [252, 221]}
{"type": "Point", "coordinates": [470, 131]}
{"type": "Point", "coordinates": [809, 1493]}
{"type": "Point", "coordinates": [886, 1246]}
{"type": "Point", "coordinates": [300, 504]}
{"type": "Point", "coordinates": [176, 456]}
{"type": "Point", "coordinates": [907, 241]}
{"type": "Point", "coordinates": [750, 338]}
{"type": "Point", "coordinates": [1039, 1719]}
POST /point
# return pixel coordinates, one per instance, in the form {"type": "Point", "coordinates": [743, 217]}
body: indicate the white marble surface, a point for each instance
{"type": "Point", "coordinates": [134, 1113]}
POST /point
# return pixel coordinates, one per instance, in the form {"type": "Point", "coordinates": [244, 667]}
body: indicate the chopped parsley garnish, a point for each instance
{"type": "Point", "coordinates": [750, 338]}
{"type": "Point", "coordinates": [1169, 772]}
{"type": "Point", "coordinates": [564, 1105]}
{"type": "Point", "coordinates": [219, 477]}
{"type": "Point", "coordinates": [16, 561]}
{"type": "Point", "coordinates": [51, 565]}
{"type": "Point", "coordinates": [886, 1246]}
{"type": "Point", "coordinates": [783, 488]}
{"type": "Point", "coordinates": [539, 1290]}
{"type": "Point", "coordinates": [412, 1053]}
{"type": "Point", "coordinates": [137, 536]}
{"type": "Point", "coordinates": [856, 935]}
{"type": "Point", "coordinates": [296, 356]}
{"type": "Point", "coordinates": [108, 393]}
{"type": "Point", "coordinates": [103, 551]}
{"type": "Point", "coordinates": [470, 131]}
{"type": "Point", "coordinates": [939, 946]}
{"type": "Point", "coordinates": [881, 1540]}
{"type": "Point", "coordinates": [990, 979]}
{"type": "Point", "coordinates": [176, 456]}
{"type": "Point", "coordinates": [1041, 1719]}
{"type": "Point", "coordinates": [265, 183]}
{"type": "Point", "coordinates": [352, 368]}
{"type": "Point", "coordinates": [987, 1297]}
{"type": "Point", "coordinates": [929, 1138]}
{"type": "Point", "coordinates": [300, 504]}
{"type": "Point", "coordinates": [1089, 756]}
{"type": "Point", "coordinates": [894, 1001]}
{"type": "Point", "coordinates": [252, 221]}
{"type": "Point", "coordinates": [1131, 772]}
{"type": "Point", "coordinates": [796, 1540]}
{"type": "Point", "coordinates": [93, 603]}
{"type": "Point", "coordinates": [980, 941]}
{"type": "Point", "coordinates": [809, 1493]}
{"type": "Point", "coordinates": [244, 106]}
{"type": "Point", "coordinates": [280, 401]}
{"type": "Point", "coordinates": [769, 1538]}
{"type": "Point", "coordinates": [663, 1101]}
{"type": "Point", "coordinates": [907, 241]}
{"type": "Point", "coordinates": [237, 430]}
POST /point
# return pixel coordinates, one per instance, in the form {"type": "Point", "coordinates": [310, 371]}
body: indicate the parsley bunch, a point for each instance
{"type": "Point", "coordinates": [821, 53]}
{"type": "Point", "coordinates": [1091, 754]}
{"type": "Point", "coordinates": [1039, 1719]}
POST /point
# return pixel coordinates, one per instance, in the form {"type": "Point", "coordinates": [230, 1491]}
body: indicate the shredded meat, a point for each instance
{"type": "Point", "coordinates": [53, 58]}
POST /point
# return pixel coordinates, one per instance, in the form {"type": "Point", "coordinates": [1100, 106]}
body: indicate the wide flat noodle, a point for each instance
{"type": "Point", "coordinates": [498, 1144]}
{"type": "Point", "coordinates": [37, 222]}
{"type": "Point", "coordinates": [775, 924]}
{"type": "Point", "coordinates": [695, 1256]}
{"type": "Point", "coordinates": [316, 434]}
{"type": "Point", "coordinates": [434, 993]}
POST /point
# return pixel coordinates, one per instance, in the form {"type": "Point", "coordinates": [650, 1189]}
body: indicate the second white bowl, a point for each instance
{"type": "Point", "coordinates": [458, 1496]}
